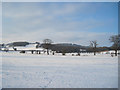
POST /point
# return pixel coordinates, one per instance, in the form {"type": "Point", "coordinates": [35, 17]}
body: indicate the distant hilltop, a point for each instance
{"type": "Point", "coordinates": [58, 47]}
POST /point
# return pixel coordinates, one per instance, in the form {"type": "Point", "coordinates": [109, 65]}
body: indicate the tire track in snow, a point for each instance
{"type": "Point", "coordinates": [49, 80]}
{"type": "Point", "coordinates": [48, 84]}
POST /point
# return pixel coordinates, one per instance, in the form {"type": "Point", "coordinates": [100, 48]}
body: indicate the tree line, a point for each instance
{"type": "Point", "coordinates": [93, 47]}
{"type": "Point", "coordinates": [71, 48]}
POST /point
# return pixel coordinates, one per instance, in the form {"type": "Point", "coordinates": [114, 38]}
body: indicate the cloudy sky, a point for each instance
{"type": "Point", "coordinates": [65, 22]}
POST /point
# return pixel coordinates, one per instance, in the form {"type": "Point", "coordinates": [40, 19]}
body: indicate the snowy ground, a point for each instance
{"type": "Point", "coordinates": [42, 71]}
{"type": "Point", "coordinates": [0, 71]}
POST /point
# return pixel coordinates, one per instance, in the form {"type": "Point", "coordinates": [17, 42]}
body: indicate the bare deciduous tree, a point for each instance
{"type": "Point", "coordinates": [47, 44]}
{"type": "Point", "coordinates": [115, 39]}
{"type": "Point", "coordinates": [38, 44]}
{"type": "Point", "coordinates": [47, 41]}
{"type": "Point", "coordinates": [94, 44]}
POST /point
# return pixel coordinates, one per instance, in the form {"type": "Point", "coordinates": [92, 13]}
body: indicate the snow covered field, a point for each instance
{"type": "Point", "coordinates": [0, 70]}
{"type": "Point", "coordinates": [42, 71]}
